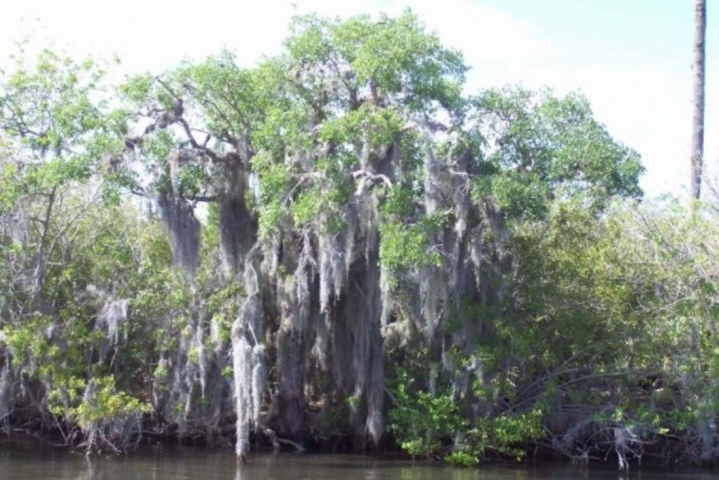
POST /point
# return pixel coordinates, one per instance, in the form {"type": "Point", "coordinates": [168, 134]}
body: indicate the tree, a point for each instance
{"type": "Point", "coordinates": [382, 197]}
{"type": "Point", "coordinates": [699, 69]}
{"type": "Point", "coordinates": [52, 127]}
{"type": "Point", "coordinates": [359, 207]}
{"type": "Point", "coordinates": [56, 139]}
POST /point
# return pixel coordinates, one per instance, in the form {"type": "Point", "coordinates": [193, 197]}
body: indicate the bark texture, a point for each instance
{"type": "Point", "coordinates": [699, 70]}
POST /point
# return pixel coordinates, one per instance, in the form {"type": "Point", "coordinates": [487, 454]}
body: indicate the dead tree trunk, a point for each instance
{"type": "Point", "coordinates": [697, 160]}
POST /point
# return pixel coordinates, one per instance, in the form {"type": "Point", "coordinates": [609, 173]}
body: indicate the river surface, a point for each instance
{"type": "Point", "coordinates": [20, 463]}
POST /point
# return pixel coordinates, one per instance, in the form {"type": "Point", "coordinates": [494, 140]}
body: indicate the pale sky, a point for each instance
{"type": "Point", "coordinates": [631, 58]}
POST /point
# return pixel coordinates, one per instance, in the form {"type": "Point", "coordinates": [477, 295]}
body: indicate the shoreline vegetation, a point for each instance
{"type": "Point", "coordinates": [339, 249]}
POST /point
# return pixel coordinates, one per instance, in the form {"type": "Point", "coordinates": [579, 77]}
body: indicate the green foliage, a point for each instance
{"type": "Point", "coordinates": [24, 343]}
{"type": "Point", "coordinates": [461, 458]}
{"type": "Point", "coordinates": [359, 130]}
{"type": "Point", "coordinates": [426, 425]}
{"type": "Point", "coordinates": [423, 424]}
{"type": "Point", "coordinates": [548, 147]}
{"type": "Point", "coordinates": [12, 190]}
{"type": "Point", "coordinates": [523, 196]}
{"type": "Point", "coordinates": [505, 433]}
{"type": "Point", "coordinates": [54, 110]}
{"type": "Point", "coordinates": [620, 300]}
{"type": "Point", "coordinates": [105, 405]}
{"type": "Point", "coordinates": [409, 245]}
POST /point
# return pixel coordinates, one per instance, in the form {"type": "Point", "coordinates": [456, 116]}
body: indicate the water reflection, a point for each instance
{"type": "Point", "coordinates": [34, 463]}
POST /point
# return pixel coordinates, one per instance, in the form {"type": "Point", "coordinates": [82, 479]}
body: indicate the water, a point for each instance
{"type": "Point", "coordinates": [23, 462]}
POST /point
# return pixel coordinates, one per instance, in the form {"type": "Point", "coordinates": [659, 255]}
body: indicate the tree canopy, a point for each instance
{"type": "Point", "coordinates": [337, 236]}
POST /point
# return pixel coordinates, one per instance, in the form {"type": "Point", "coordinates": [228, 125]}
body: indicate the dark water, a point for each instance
{"type": "Point", "coordinates": [37, 463]}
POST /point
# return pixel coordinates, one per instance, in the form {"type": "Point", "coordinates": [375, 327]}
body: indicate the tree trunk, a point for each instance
{"type": "Point", "coordinates": [39, 273]}
{"type": "Point", "coordinates": [290, 408]}
{"type": "Point", "coordinates": [697, 160]}
{"type": "Point", "coordinates": [289, 402]}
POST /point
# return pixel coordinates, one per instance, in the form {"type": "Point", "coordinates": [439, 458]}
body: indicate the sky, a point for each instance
{"type": "Point", "coordinates": [631, 58]}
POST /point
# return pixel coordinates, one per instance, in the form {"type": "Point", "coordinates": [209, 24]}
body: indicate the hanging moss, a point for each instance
{"type": "Point", "coordinates": [184, 229]}
{"type": "Point", "coordinates": [364, 208]}
{"type": "Point", "coordinates": [238, 229]}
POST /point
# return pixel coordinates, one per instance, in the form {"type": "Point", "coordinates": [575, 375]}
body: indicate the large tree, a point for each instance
{"type": "Point", "coordinates": [380, 201]}
{"type": "Point", "coordinates": [359, 207]}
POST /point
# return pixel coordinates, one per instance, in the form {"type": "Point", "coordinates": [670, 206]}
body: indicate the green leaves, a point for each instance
{"type": "Point", "coordinates": [405, 246]}
{"type": "Point", "coordinates": [422, 423]}
{"type": "Point", "coordinates": [354, 146]}
{"type": "Point", "coordinates": [549, 147]}
{"type": "Point", "coordinates": [517, 196]}
{"type": "Point", "coordinates": [50, 105]}
{"type": "Point", "coordinates": [427, 425]}
{"type": "Point", "coordinates": [394, 57]}
{"type": "Point", "coordinates": [137, 88]}
{"type": "Point", "coordinates": [52, 110]}
{"type": "Point", "coordinates": [11, 188]}
{"type": "Point", "coordinates": [106, 406]}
